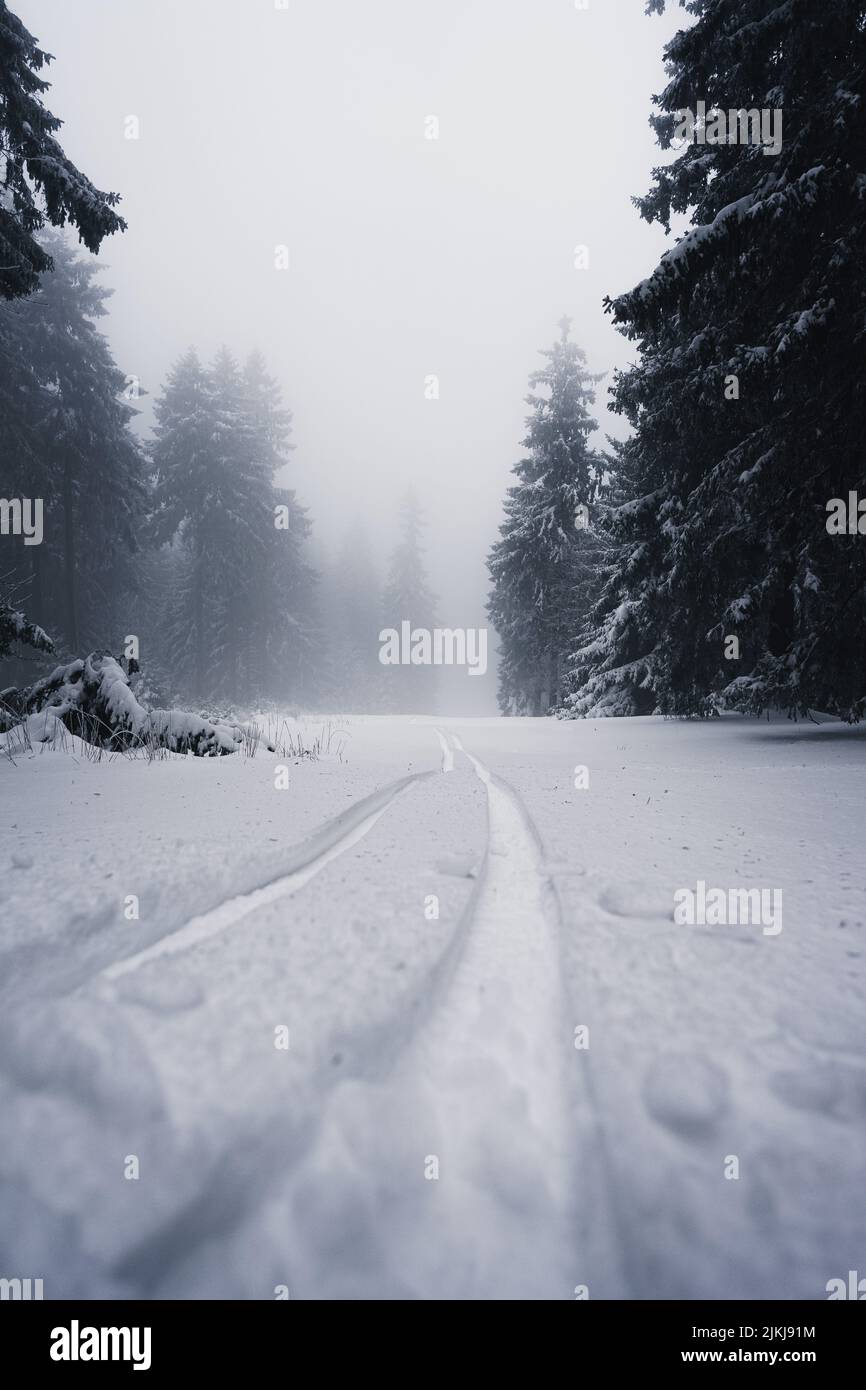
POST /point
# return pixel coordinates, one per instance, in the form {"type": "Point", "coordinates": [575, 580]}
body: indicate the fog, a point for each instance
{"type": "Point", "coordinates": [306, 127]}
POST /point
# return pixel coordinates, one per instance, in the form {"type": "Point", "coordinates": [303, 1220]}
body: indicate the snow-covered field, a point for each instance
{"type": "Point", "coordinates": [548, 1087]}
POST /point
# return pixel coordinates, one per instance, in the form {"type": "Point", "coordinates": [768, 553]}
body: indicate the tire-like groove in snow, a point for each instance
{"type": "Point", "coordinates": [328, 843]}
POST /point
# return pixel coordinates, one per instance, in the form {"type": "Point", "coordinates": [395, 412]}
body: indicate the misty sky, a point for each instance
{"type": "Point", "coordinates": [306, 127]}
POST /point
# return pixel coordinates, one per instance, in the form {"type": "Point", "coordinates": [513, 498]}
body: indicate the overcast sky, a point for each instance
{"type": "Point", "coordinates": [305, 126]}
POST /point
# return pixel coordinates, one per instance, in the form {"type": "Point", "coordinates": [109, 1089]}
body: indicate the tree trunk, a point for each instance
{"type": "Point", "coordinates": [69, 556]}
{"type": "Point", "coordinates": [198, 620]}
{"type": "Point", "coordinates": [544, 685]}
{"type": "Point", "coordinates": [556, 681]}
{"type": "Point", "coordinates": [37, 594]}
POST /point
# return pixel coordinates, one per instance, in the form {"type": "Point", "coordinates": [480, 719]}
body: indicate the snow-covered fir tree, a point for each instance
{"type": "Point", "coordinates": [285, 640]}
{"type": "Point", "coordinates": [238, 524]}
{"type": "Point", "coordinates": [65, 438]}
{"type": "Point", "coordinates": [605, 673]}
{"type": "Point", "coordinates": [239, 613]}
{"type": "Point", "coordinates": [747, 402]}
{"type": "Point", "coordinates": [38, 184]}
{"type": "Point", "coordinates": [544, 566]}
{"type": "Point", "coordinates": [180, 451]}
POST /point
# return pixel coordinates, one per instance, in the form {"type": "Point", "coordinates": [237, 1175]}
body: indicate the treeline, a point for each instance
{"type": "Point", "coordinates": [181, 551]}
{"type": "Point", "coordinates": [182, 548]}
{"type": "Point", "coordinates": [358, 601]}
{"type": "Point", "coordinates": [713, 572]}
{"type": "Point", "coordinates": [182, 545]}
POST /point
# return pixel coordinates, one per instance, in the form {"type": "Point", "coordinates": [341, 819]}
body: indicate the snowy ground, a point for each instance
{"type": "Point", "coordinates": [432, 1130]}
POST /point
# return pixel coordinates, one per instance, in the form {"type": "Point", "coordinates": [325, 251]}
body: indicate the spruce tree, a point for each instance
{"type": "Point", "coordinates": [238, 525]}
{"type": "Point", "coordinates": [25, 469]}
{"type": "Point", "coordinates": [239, 612]}
{"type": "Point", "coordinates": [67, 440]}
{"type": "Point", "coordinates": [543, 567]}
{"type": "Point", "coordinates": [213, 496]}
{"type": "Point", "coordinates": [37, 181]}
{"type": "Point", "coordinates": [607, 673]}
{"type": "Point", "coordinates": [747, 402]}
{"type": "Point", "coordinates": [283, 629]}
{"type": "Point", "coordinates": [180, 451]}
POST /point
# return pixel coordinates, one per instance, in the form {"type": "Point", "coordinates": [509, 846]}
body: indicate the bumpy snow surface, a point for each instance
{"type": "Point", "coordinates": [423, 1023]}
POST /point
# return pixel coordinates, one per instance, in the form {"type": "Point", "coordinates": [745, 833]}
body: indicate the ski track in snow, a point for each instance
{"type": "Point", "coordinates": [336, 836]}
{"type": "Point", "coordinates": [482, 1087]}
{"type": "Point", "coordinates": [447, 753]}
{"type": "Point", "coordinates": [493, 1063]}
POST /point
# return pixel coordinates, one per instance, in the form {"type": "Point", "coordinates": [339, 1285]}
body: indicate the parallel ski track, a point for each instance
{"type": "Point", "coordinates": [330, 841]}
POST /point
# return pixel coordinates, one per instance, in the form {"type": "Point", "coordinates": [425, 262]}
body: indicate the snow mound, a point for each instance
{"type": "Point", "coordinates": [79, 1050]}
{"type": "Point", "coordinates": [634, 898]}
{"type": "Point", "coordinates": [688, 1094]}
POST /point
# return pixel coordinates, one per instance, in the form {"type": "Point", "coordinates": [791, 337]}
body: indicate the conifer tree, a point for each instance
{"type": "Point", "coordinates": [238, 522]}
{"type": "Point", "coordinates": [543, 566]}
{"type": "Point", "coordinates": [37, 181]}
{"type": "Point", "coordinates": [747, 401]}
{"type": "Point", "coordinates": [181, 453]}
{"type": "Point", "coordinates": [283, 627]}
{"type": "Point", "coordinates": [67, 441]}
{"type": "Point", "coordinates": [239, 613]}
